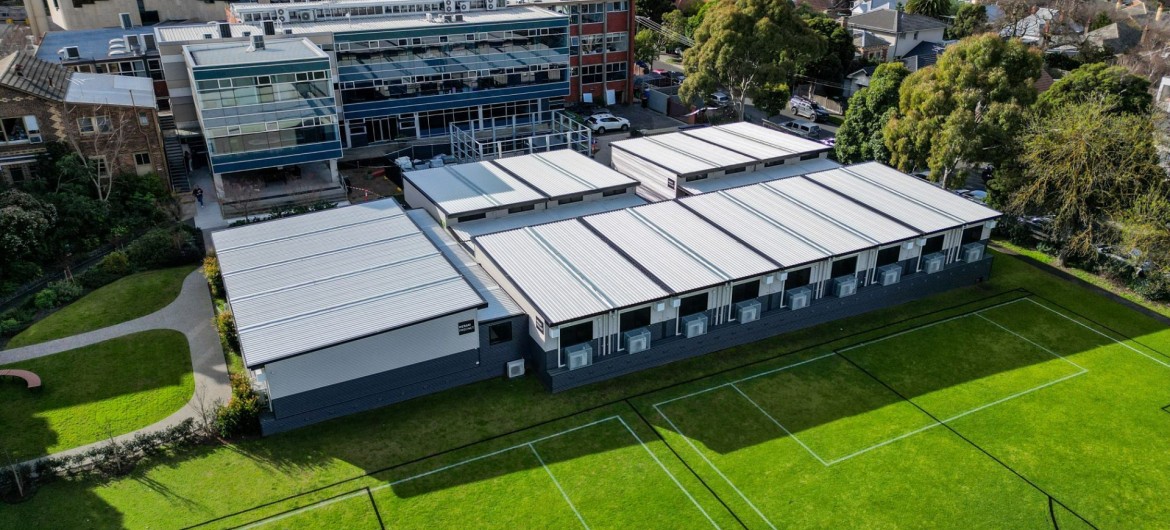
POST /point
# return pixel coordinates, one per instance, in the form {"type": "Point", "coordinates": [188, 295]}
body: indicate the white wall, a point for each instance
{"type": "Point", "coordinates": [907, 41]}
{"type": "Point", "coordinates": [653, 177]}
{"type": "Point", "coordinates": [386, 351]}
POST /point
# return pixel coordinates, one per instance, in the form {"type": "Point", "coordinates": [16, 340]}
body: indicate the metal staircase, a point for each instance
{"type": "Point", "coordinates": [173, 148]}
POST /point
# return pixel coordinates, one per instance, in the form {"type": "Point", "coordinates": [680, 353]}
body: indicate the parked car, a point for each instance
{"type": "Point", "coordinates": [675, 77]}
{"type": "Point", "coordinates": [642, 65]}
{"type": "Point", "coordinates": [719, 99]}
{"type": "Point", "coordinates": [803, 128]}
{"type": "Point", "coordinates": [659, 71]}
{"type": "Point", "coordinates": [600, 123]}
{"type": "Point", "coordinates": [806, 108]}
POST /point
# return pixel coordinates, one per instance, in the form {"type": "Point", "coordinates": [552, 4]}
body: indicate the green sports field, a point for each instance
{"type": "Point", "coordinates": [1007, 411]}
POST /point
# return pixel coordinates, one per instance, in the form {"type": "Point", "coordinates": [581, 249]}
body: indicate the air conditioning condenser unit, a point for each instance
{"type": "Point", "coordinates": [694, 325]}
{"type": "Point", "coordinates": [515, 368]}
{"type": "Point", "coordinates": [845, 286]}
{"type": "Point", "coordinates": [799, 297]}
{"type": "Point", "coordinates": [637, 340]}
{"type": "Point", "coordinates": [972, 252]}
{"type": "Point", "coordinates": [933, 263]}
{"type": "Point", "coordinates": [889, 274]}
{"type": "Point", "coordinates": [748, 311]}
{"type": "Point", "coordinates": [580, 355]}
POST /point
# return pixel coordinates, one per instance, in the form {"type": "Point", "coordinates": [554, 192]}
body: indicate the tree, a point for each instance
{"type": "Point", "coordinates": [675, 22]}
{"type": "Point", "coordinates": [772, 98]}
{"type": "Point", "coordinates": [970, 20]}
{"type": "Point", "coordinates": [966, 109]}
{"type": "Point", "coordinates": [102, 136]}
{"type": "Point", "coordinates": [647, 46]}
{"type": "Point", "coordinates": [742, 46]}
{"type": "Point", "coordinates": [1084, 165]}
{"type": "Point", "coordinates": [25, 221]}
{"type": "Point", "coordinates": [1113, 86]}
{"type": "Point", "coordinates": [930, 8]}
{"type": "Point", "coordinates": [836, 47]}
{"type": "Point", "coordinates": [860, 136]}
{"type": "Point", "coordinates": [1101, 20]}
{"type": "Point", "coordinates": [653, 8]}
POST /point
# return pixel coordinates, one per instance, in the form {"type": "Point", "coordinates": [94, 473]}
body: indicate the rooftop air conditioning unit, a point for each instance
{"type": "Point", "coordinates": [845, 286]}
{"type": "Point", "coordinates": [748, 311]}
{"type": "Point", "coordinates": [515, 368]}
{"type": "Point", "coordinates": [694, 325]}
{"type": "Point", "coordinates": [637, 340]}
{"type": "Point", "coordinates": [449, 6]}
{"type": "Point", "coordinates": [207, 36]}
{"type": "Point", "coordinates": [972, 252]}
{"type": "Point", "coordinates": [799, 297]}
{"type": "Point", "coordinates": [464, 6]}
{"type": "Point", "coordinates": [580, 355]}
{"type": "Point", "coordinates": [889, 274]}
{"type": "Point", "coordinates": [933, 263]}
{"type": "Point", "coordinates": [282, 15]}
{"type": "Point", "coordinates": [70, 53]}
{"type": "Point", "coordinates": [490, 5]}
{"type": "Point", "coordinates": [306, 15]}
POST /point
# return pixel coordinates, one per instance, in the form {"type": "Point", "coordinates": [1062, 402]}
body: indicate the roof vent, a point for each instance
{"type": "Point", "coordinates": [257, 42]}
{"type": "Point", "coordinates": [269, 27]}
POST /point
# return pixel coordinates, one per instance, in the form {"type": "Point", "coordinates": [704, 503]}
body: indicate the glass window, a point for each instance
{"type": "Point", "coordinates": [933, 245]}
{"type": "Point", "coordinates": [798, 278]}
{"type": "Point", "coordinates": [745, 291]}
{"type": "Point", "coordinates": [693, 304]}
{"type": "Point", "coordinates": [634, 319]}
{"type": "Point", "coordinates": [85, 125]}
{"type": "Point", "coordinates": [500, 333]}
{"type": "Point", "coordinates": [576, 334]}
{"type": "Point", "coordinates": [888, 255]}
{"type": "Point", "coordinates": [973, 234]}
{"type": "Point", "coordinates": [142, 159]}
{"type": "Point", "coordinates": [103, 124]}
{"type": "Point", "coordinates": [844, 267]}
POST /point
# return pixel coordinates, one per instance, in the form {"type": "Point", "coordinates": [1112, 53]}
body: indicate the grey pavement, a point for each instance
{"type": "Point", "coordinates": [191, 314]}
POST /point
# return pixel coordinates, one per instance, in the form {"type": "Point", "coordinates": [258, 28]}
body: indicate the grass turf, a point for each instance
{"type": "Point", "coordinates": [1105, 460]}
{"type": "Point", "coordinates": [115, 386]}
{"type": "Point", "coordinates": [127, 298]}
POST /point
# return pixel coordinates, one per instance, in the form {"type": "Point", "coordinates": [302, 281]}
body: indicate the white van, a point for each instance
{"type": "Point", "coordinates": [803, 128]}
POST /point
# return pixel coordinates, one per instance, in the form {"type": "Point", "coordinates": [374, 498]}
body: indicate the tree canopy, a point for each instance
{"type": "Point", "coordinates": [647, 46]}
{"type": "Point", "coordinates": [836, 46]}
{"type": "Point", "coordinates": [1084, 166]}
{"type": "Point", "coordinates": [860, 136]}
{"type": "Point", "coordinates": [971, 19]}
{"type": "Point", "coordinates": [965, 109]}
{"type": "Point", "coordinates": [772, 98]}
{"type": "Point", "coordinates": [930, 8]}
{"type": "Point", "coordinates": [744, 45]}
{"type": "Point", "coordinates": [653, 8]}
{"type": "Point", "coordinates": [1114, 87]}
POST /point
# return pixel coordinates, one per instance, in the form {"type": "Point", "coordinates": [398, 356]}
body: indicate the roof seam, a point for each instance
{"type": "Point", "coordinates": [752, 210]}
{"type": "Point", "coordinates": [319, 254]}
{"type": "Point", "coordinates": [817, 212]}
{"type": "Point", "coordinates": [679, 245]}
{"type": "Point", "coordinates": [324, 279]}
{"type": "Point", "coordinates": [903, 195]}
{"type": "Point", "coordinates": [221, 250]}
{"type": "Point", "coordinates": [568, 267]}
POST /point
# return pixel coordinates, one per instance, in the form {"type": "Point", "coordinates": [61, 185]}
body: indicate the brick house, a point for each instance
{"type": "Point", "coordinates": [112, 120]}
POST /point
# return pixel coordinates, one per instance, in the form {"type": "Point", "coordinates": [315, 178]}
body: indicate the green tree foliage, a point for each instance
{"type": "Point", "coordinates": [772, 98]}
{"type": "Point", "coordinates": [836, 47]}
{"type": "Point", "coordinates": [1112, 86]}
{"type": "Point", "coordinates": [860, 136]}
{"type": "Point", "coordinates": [744, 45]}
{"type": "Point", "coordinates": [966, 109]}
{"type": "Point", "coordinates": [653, 8]}
{"type": "Point", "coordinates": [971, 19]}
{"type": "Point", "coordinates": [647, 46]}
{"type": "Point", "coordinates": [676, 22]}
{"type": "Point", "coordinates": [1084, 165]}
{"type": "Point", "coordinates": [24, 223]}
{"type": "Point", "coordinates": [930, 8]}
{"type": "Point", "coordinates": [1101, 20]}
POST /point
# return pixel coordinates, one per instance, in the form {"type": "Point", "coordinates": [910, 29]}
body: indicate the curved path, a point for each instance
{"type": "Point", "coordinates": [191, 314]}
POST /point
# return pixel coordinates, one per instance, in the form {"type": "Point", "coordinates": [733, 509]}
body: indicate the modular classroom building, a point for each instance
{"type": "Point", "coordinates": [366, 305]}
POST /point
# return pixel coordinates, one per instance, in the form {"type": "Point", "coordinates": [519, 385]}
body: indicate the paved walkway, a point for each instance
{"type": "Point", "coordinates": [190, 314]}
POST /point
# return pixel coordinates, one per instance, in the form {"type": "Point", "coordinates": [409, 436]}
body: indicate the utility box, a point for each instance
{"type": "Point", "coordinates": [637, 340]}
{"type": "Point", "coordinates": [694, 325]}
{"type": "Point", "coordinates": [580, 355]}
{"type": "Point", "coordinates": [799, 298]}
{"type": "Point", "coordinates": [932, 263]}
{"type": "Point", "coordinates": [972, 252]}
{"type": "Point", "coordinates": [748, 311]}
{"type": "Point", "coordinates": [845, 286]}
{"type": "Point", "coordinates": [889, 274]}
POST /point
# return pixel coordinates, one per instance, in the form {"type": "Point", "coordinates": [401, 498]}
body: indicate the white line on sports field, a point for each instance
{"type": "Point", "coordinates": [668, 473]}
{"type": "Point", "coordinates": [778, 424]}
{"type": "Point", "coordinates": [716, 387]}
{"type": "Point", "coordinates": [1090, 328]}
{"type": "Point", "coordinates": [1029, 341]}
{"type": "Point", "coordinates": [924, 326]}
{"type": "Point", "coordinates": [558, 484]}
{"type": "Point", "coordinates": [303, 509]}
{"type": "Point", "coordinates": [713, 466]}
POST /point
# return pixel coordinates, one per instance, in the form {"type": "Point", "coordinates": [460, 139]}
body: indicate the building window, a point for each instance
{"type": "Point", "coordinates": [634, 319]}
{"type": "Point", "coordinates": [569, 200]}
{"type": "Point", "coordinates": [693, 304]}
{"type": "Point", "coordinates": [934, 244]}
{"type": "Point", "coordinates": [576, 334]}
{"type": "Point", "coordinates": [100, 166]}
{"type": "Point", "coordinates": [143, 118]}
{"type": "Point", "coordinates": [92, 124]}
{"type": "Point", "coordinates": [888, 255]}
{"type": "Point", "coordinates": [472, 217]}
{"type": "Point", "coordinates": [500, 333]}
{"type": "Point", "coordinates": [142, 159]}
{"type": "Point", "coordinates": [733, 171]}
{"type": "Point", "coordinates": [17, 129]}
{"type": "Point", "coordinates": [745, 291]}
{"type": "Point", "coordinates": [972, 234]}
{"type": "Point", "coordinates": [85, 125]}
{"type": "Point", "coordinates": [810, 156]}
{"type": "Point", "coordinates": [519, 209]}
{"type": "Point", "coordinates": [798, 278]}
{"type": "Point", "coordinates": [844, 267]}
{"type": "Point", "coordinates": [611, 193]}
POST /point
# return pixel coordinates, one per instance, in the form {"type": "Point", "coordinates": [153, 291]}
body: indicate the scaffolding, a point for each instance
{"type": "Point", "coordinates": [469, 144]}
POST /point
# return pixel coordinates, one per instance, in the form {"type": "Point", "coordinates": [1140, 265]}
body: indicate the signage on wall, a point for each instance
{"type": "Point", "coordinates": [539, 325]}
{"type": "Point", "coordinates": [670, 183]}
{"type": "Point", "coordinates": [467, 326]}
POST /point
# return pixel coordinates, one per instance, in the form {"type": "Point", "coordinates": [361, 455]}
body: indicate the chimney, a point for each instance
{"type": "Point", "coordinates": [225, 30]}
{"type": "Point", "coordinates": [19, 70]}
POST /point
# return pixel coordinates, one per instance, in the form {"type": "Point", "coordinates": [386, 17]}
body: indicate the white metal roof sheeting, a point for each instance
{"type": "Point", "coordinates": [564, 172]}
{"type": "Point", "coordinates": [681, 156]}
{"type": "Point", "coordinates": [758, 224]}
{"type": "Point", "coordinates": [678, 247]}
{"type": "Point", "coordinates": [468, 230]}
{"type": "Point", "coordinates": [567, 271]}
{"type": "Point", "coordinates": [923, 192]}
{"type": "Point", "coordinates": [928, 210]}
{"type": "Point", "coordinates": [790, 169]}
{"type": "Point", "coordinates": [756, 141]}
{"type": "Point", "coordinates": [304, 283]}
{"type": "Point", "coordinates": [840, 210]}
{"type": "Point", "coordinates": [464, 188]}
{"type": "Point", "coordinates": [500, 305]}
{"type": "Point", "coordinates": [802, 219]}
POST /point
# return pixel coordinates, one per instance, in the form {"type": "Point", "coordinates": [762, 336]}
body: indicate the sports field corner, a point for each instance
{"type": "Point", "coordinates": [1002, 413]}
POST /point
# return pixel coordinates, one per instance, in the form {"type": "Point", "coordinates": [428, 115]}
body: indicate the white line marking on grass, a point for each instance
{"type": "Point", "coordinates": [668, 473]}
{"type": "Point", "coordinates": [558, 484]}
{"type": "Point", "coordinates": [932, 425]}
{"type": "Point", "coordinates": [1014, 396]}
{"type": "Point", "coordinates": [713, 466]}
{"type": "Point", "coordinates": [716, 387]}
{"type": "Point", "coordinates": [1082, 324]}
{"type": "Point", "coordinates": [924, 326]}
{"type": "Point", "coordinates": [1030, 341]}
{"type": "Point", "coordinates": [314, 506]}
{"type": "Point", "coordinates": [778, 424]}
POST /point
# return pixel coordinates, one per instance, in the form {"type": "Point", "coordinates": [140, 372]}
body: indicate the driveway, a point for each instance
{"type": "Point", "coordinates": [640, 118]}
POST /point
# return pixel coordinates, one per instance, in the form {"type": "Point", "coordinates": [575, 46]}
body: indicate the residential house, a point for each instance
{"type": "Point", "coordinates": [901, 31]}
{"type": "Point", "coordinates": [858, 80]}
{"type": "Point", "coordinates": [110, 119]}
{"type": "Point", "coordinates": [1116, 37]}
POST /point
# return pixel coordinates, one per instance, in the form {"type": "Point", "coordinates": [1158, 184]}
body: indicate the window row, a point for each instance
{"type": "Point", "coordinates": [597, 73]}
{"type": "Point", "coordinates": [345, 12]}
{"type": "Point", "coordinates": [435, 40]}
{"type": "Point", "coordinates": [457, 53]}
{"type": "Point", "coordinates": [214, 99]}
{"type": "Point", "coordinates": [212, 84]}
{"type": "Point", "coordinates": [591, 44]}
{"type": "Point", "coordinates": [272, 140]}
{"type": "Point", "coordinates": [269, 126]}
{"type": "Point", "coordinates": [453, 85]}
{"type": "Point", "coordinates": [22, 129]}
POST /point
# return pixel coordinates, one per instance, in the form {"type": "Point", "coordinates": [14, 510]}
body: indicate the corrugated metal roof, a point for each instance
{"type": "Point", "coordinates": [468, 230]}
{"type": "Point", "coordinates": [475, 187]}
{"type": "Point", "coordinates": [789, 169]}
{"type": "Point", "coordinates": [678, 247]}
{"type": "Point", "coordinates": [682, 154]}
{"type": "Point", "coordinates": [567, 271]}
{"type": "Point", "coordinates": [874, 226]}
{"type": "Point", "coordinates": [759, 142]}
{"type": "Point", "coordinates": [307, 282]}
{"type": "Point", "coordinates": [564, 172]}
{"type": "Point", "coordinates": [903, 197]}
{"type": "Point", "coordinates": [500, 305]}
{"type": "Point", "coordinates": [757, 217]}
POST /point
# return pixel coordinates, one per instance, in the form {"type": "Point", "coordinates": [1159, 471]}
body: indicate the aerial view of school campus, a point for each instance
{"type": "Point", "coordinates": [634, 264]}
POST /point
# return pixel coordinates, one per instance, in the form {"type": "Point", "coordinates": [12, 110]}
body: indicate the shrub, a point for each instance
{"type": "Point", "coordinates": [162, 247]}
{"type": "Point", "coordinates": [1155, 287]}
{"type": "Point", "coordinates": [241, 416]}
{"type": "Point", "coordinates": [66, 290]}
{"type": "Point", "coordinates": [46, 299]}
{"type": "Point", "coordinates": [225, 323]}
{"type": "Point", "coordinates": [116, 262]}
{"type": "Point", "coordinates": [95, 277]}
{"type": "Point", "coordinates": [214, 277]}
{"type": "Point", "coordinates": [10, 327]}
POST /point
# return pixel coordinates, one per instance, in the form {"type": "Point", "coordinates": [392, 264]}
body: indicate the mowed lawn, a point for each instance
{"type": "Point", "coordinates": [112, 387]}
{"type": "Point", "coordinates": [991, 410]}
{"type": "Point", "coordinates": [126, 299]}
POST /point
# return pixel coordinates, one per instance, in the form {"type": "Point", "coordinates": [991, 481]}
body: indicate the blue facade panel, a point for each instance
{"type": "Point", "coordinates": [375, 109]}
{"type": "Point", "coordinates": [448, 29]}
{"type": "Point", "coordinates": [222, 72]}
{"type": "Point", "coordinates": [282, 157]}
